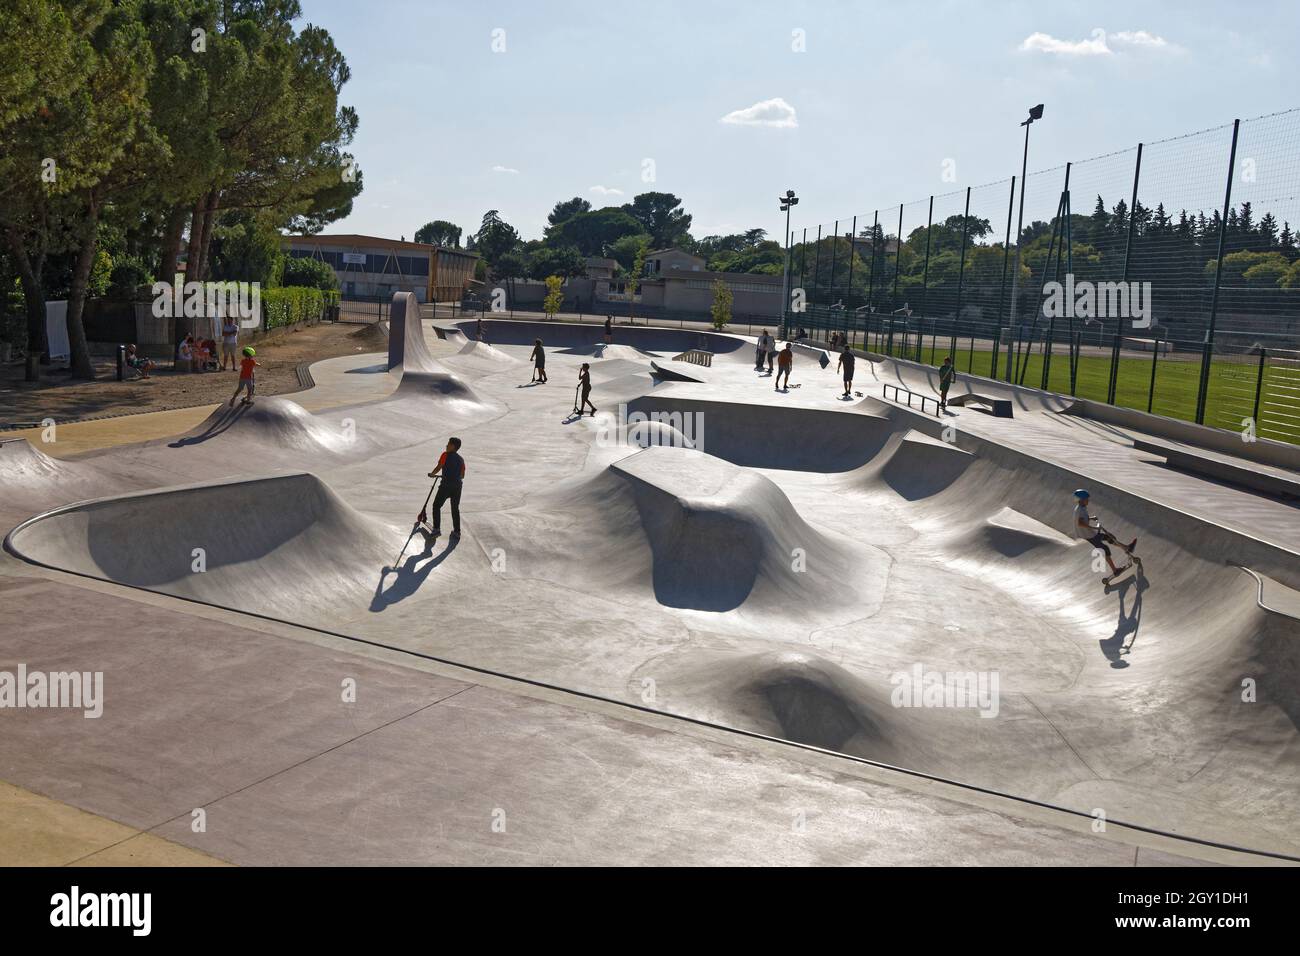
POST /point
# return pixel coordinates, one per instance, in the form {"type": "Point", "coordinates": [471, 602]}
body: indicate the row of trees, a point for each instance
{"type": "Point", "coordinates": [576, 231]}
{"type": "Point", "coordinates": [145, 131]}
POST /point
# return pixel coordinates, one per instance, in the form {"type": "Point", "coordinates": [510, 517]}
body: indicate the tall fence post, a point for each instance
{"type": "Point", "coordinates": [961, 269]}
{"type": "Point", "coordinates": [817, 274]}
{"type": "Point", "coordinates": [835, 250]}
{"type": "Point", "coordinates": [1113, 384]}
{"type": "Point", "coordinates": [1155, 357]}
{"type": "Point", "coordinates": [871, 276]}
{"type": "Point", "coordinates": [1128, 255]}
{"type": "Point", "coordinates": [1259, 387]}
{"type": "Point", "coordinates": [853, 234]}
{"type": "Point", "coordinates": [898, 254]}
{"type": "Point", "coordinates": [803, 262]}
{"type": "Point", "coordinates": [925, 276]}
{"type": "Point", "coordinates": [1006, 253]}
{"type": "Point", "coordinates": [1207, 356]}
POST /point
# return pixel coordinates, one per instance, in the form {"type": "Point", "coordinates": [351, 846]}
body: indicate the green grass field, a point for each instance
{"type": "Point", "coordinates": [1231, 396]}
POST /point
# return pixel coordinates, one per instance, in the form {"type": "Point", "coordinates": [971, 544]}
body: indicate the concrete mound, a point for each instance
{"type": "Point", "coordinates": [23, 463]}
{"type": "Point", "coordinates": [1010, 534]}
{"type": "Point", "coordinates": [722, 537]}
{"type": "Point", "coordinates": [771, 436]}
{"type": "Point", "coordinates": [647, 434]}
{"type": "Point", "coordinates": [482, 350]}
{"type": "Point", "coordinates": [279, 423]}
{"type": "Point", "coordinates": [920, 466]}
{"type": "Point", "coordinates": [285, 545]}
{"type": "Point", "coordinates": [801, 695]}
{"type": "Point", "coordinates": [440, 387]}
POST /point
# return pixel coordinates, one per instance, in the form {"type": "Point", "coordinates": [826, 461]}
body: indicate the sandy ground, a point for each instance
{"type": "Point", "coordinates": [66, 400]}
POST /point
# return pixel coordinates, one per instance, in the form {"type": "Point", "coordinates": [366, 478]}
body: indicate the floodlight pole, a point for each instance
{"type": "Point", "coordinates": [786, 201]}
{"type": "Point", "coordinates": [1035, 113]}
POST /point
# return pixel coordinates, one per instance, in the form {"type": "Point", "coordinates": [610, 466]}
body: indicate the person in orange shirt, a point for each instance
{"type": "Point", "coordinates": [246, 376]}
{"type": "Point", "coordinates": [452, 467]}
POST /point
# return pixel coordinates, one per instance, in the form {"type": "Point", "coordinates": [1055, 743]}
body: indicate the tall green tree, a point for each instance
{"type": "Point", "coordinates": [439, 232]}
{"type": "Point", "coordinates": [661, 215]}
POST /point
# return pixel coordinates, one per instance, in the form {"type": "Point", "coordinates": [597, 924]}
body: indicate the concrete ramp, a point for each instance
{"type": "Point", "coordinates": [285, 545]}
{"type": "Point", "coordinates": [772, 436]}
{"type": "Point", "coordinates": [407, 349]}
{"type": "Point", "coordinates": [276, 423]}
{"type": "Point", "coordinates": [722, 537]}
{"type": "Point", "coordinates": [22, 463]}
{"type": "Point", "coordinates": [481, 350]}
{"type": "Point", "coordinates": [440, 388]}
{"type": "Point", "coordinates": [672, 371]}
{"type": "Point", "coordinates": [920, 466]}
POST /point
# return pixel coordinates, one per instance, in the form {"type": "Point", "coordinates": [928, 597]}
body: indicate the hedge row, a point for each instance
{"type": "Point", "coordinates": [290, 304]}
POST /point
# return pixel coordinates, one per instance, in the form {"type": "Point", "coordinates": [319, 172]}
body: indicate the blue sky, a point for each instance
{"type": "Point", "coordinates": [883, 93]}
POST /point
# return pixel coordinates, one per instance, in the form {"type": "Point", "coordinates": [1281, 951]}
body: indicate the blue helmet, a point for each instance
{"type": "Point", "coordinates": [1082, 493]}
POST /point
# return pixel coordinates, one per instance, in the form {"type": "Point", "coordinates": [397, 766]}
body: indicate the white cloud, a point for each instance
{"type": "Point", "coordinates": [776, 113]}
{"type": "Point", "coordinates": [1045, 43]}
{"type": "Point", "coordinates": [606, 191]}
{"type": "Point", "coordinates": [1098, 44]}
{"type": "Point", "coordinates": [1139, 38]}
{"type": "Point", "coordinates": [505, 169]}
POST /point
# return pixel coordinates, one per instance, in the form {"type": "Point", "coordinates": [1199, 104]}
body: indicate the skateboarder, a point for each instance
{"type": "Point", "coordinates": [947, 374]}
{"type": "Point", "coordinates": [609, 329]}
{"type": "Point", "coordinates": [584, 381]}
{"type": "Point", "coordinates": [845, 364]}
{"type": "Point", "coordinates": [539, 361]}
{"type": "Point", "coordinates": [784, 362]}
{"type": "Point", "coordinates": [452, 467]}
{"type": "Point", "coordinates": [246, 376]}
{"type": "Point", "coordinates": [1088, 527]}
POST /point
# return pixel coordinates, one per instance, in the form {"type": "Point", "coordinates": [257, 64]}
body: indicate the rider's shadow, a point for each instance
{"type": "Point", "coordinates": [1130, 619]}
{"type": "Point", "coordinates": [409, 576]}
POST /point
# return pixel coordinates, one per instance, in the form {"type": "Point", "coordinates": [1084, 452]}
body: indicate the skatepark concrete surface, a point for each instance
{"type": "Point", "coordinates": [714, 623]}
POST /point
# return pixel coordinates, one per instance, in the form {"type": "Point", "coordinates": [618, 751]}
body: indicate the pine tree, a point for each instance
{"type": "Point", "coordinates": [1286, 241]}
{"type": "Point", "coordinates": [1267, 232]}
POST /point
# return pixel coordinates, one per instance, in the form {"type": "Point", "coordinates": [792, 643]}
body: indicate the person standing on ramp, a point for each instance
{"type": "Point", "coordinates": [539, 361]}
{"type": "Point", "coordinates": [584, 382]}
{"type": "Point", "coordinates": [609, 329]}
{"type": "Point", "coordinates": [845, 365]}
{"type": "Point", "coordinates": [947, 375]}
{"type": "Point", "coordinates": [452, 468]}
{"type": "Point", "coordinates": [784, 362]}
{"type": "Point", "coordinates": [762, 349]}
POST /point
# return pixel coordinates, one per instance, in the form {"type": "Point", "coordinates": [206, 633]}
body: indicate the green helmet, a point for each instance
{"type": "Point", "coordinates": [249, 351]}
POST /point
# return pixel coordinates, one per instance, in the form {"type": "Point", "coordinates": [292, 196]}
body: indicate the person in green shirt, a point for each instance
{"type": "Point", "coordinates": [947, 374]}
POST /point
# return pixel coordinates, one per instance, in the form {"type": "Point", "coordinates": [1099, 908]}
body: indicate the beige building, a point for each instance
{"type": "Point", "coordinates": [677, 281]}
{"type": "Point", "coordinates": [373, 267]}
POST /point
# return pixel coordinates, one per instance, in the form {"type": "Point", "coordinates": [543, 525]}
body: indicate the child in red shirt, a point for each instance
{"type": "Point", "coordinates": [245, 376]}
